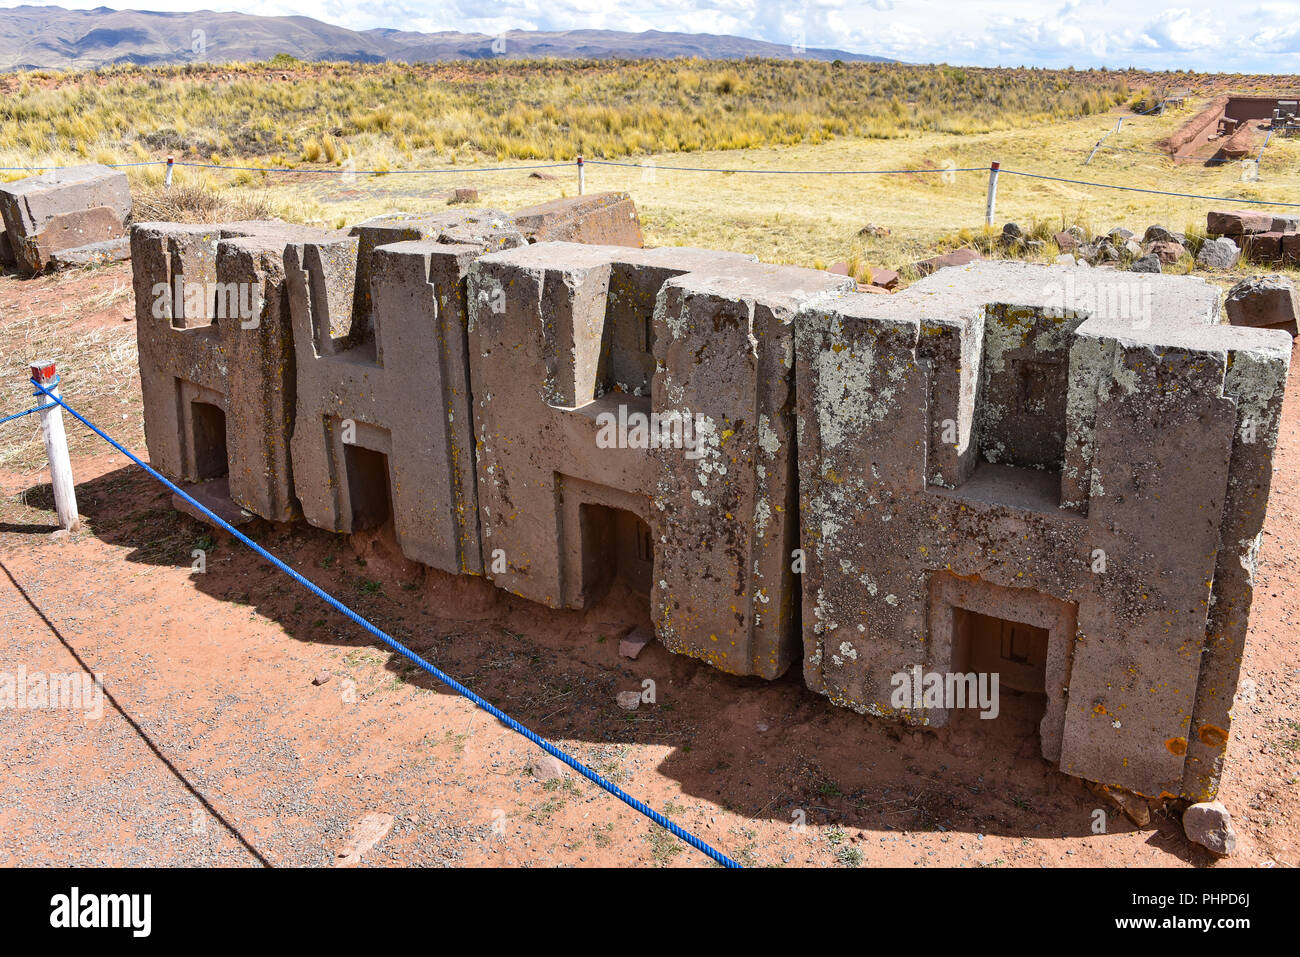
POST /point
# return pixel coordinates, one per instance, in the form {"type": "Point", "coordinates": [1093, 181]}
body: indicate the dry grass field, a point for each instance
{"type": "Point", "coordinates": [464, 120]}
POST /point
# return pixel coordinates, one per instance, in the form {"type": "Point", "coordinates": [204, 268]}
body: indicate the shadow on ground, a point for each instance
{"type": "Point", "coordinates": [761, 749]}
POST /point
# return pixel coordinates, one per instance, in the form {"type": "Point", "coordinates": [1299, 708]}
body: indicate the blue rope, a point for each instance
{"type": "Point", "coordinates": [407, 653]}
{"type": "Point", "coordinates": [787, 172]}
{"type": "Point", "coordinates": [19, 415]}
{"type": "Point", "coordinates": [1156, 192]}
{"type": "Point", "coordinates": [375, 172]}
{"type": "Point", "coordinates": [25, 169]}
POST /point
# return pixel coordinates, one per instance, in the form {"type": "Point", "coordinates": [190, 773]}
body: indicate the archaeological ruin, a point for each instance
{"type": "Point", "coordinates": [1053, 474]}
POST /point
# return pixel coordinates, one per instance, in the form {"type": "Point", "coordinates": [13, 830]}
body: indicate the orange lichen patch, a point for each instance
{"type": "Point", "coordinates": [1176, 745]}
{"type": "Point", "coordinates": [1213, 736]}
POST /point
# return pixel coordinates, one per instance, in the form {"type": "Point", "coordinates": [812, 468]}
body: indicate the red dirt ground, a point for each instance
{"type": "Point", "coordinates": [215, 747]}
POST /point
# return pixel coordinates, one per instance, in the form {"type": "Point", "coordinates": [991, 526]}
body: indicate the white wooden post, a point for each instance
{"type": "Point", "coordinates": [582, 177]}
{"type": "Point", "coordinates": [168, 180]}
{"type": "Point", "coordinates": [990, 207]}
{"type": "Point", "coordinates": [56, 449]}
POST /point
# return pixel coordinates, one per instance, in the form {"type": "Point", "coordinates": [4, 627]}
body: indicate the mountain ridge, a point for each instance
{"type": "Point", "coordinates": [57, 38]}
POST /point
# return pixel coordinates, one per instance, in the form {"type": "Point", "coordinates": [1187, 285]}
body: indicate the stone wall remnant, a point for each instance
{"type": "Point", "coordinates": [1040, 469]}
{"type": "Point", "coordinates": [63, 209]}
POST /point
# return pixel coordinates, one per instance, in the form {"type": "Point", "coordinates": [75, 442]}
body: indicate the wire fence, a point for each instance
{"type": "Point", "coordinates": [677, 831]}
{"type": "Point", "coordinates": [992, 169]}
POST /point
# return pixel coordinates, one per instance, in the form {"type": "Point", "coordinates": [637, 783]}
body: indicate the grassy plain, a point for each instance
{"type": "Point", "coordinates": [325, 121]}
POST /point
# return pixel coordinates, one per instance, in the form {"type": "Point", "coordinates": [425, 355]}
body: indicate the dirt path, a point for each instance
{"type": "Point", "coordinates": [215, 746]}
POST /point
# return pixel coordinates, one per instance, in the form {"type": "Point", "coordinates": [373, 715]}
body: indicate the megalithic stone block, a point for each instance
{"type": "Point", "coordinates": [1105, 527]}
{"type": "Point", "coordinates": [402, 392]}
{"type": "Point", "coordinates": [725, 516]}
{"type": "Point", "coordinates": [608, 219]}
{"type": "Point", "coordinates": [62, 209]}
{"type": "Point", "coordinates": [562, 344]}
{"type": "Point", "coordinates": [216, 356]}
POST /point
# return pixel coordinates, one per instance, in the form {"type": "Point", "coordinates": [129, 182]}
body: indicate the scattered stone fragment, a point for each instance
{"type": "Point", "coordinates": [958, 257]}
{"type": "Point", "coordinates": [635, 641]}
{"type": "Point", "coordinates": [92, 254]}
{"type": "Point", "coordinates": [871, 229]}
{"type": "Point", "coordinates": [366, 833]}
{"type": "Point", "coordinates": [1264, 301]}
{"type": "Point", "coordinates": [1149, 263]}
{"type": "Point", "coordinates": [1218, 254]}
{"type": "Point", "coordinates": [1133, 807]}
{"type": "Point", "coordinates": [321, 678]}
{"type": "Point", "coordinates": [1210, 825]}
{"type": "Point", "coordinates": [1158, 234]}
{"type": "Point", "coordinates": [1169, 253]}
{"type": "Point", "coordinates": [547, 767]}
{"type": "Point", "coordinates": [464, 194]}
{"type": "Point", "coordinates": [629, 700]}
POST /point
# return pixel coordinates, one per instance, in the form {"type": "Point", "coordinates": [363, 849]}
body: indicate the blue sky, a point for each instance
{"type": "Point", "coordinates": [1193, 34]}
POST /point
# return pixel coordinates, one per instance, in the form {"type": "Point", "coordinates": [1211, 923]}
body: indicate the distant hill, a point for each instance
{"type": "Point", "coordinates": [55, 38]}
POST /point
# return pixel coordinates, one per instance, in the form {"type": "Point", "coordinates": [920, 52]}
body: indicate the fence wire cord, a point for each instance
{"type": "Point", "coordinates": [406, 652]}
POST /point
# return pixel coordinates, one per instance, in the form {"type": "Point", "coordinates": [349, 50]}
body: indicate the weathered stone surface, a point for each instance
{"type": "Point", "coordinates": [608, 219]}
{"type": "Point", "coordinates": [93, 254]}
{"type": "Point", "coordinates": [1169, 253]}
{"type": "Point", "coordinates": [547, 767]}
{"type": "Point", "coordinates": [216, 356]}
{"type": "Point", "coordinates": [1291, 249]}
{"type": "Point", "coordinates": [1264, 301]}
{"type": "Point", "coordinates": [1067, 241]}
{"type": "Point", "coordinates": [1263, 247]}
{"type": "Point", "coordinates": [1148, 263]}
{"type": "Point", "coordinates": [6, 248]}
{"type": "Point", "coordinates": [490, 226]}
{"type": "Point", "coordinates": [394, 385]}
{"type": "Point", "coordinates": [958, 257]}
{"type": "Point", "coordinates": [1287, 224]}
{"type": "Point", "coordinates": [464, 194]}
{"type": "Point", "coordinates": [1077, 457]}
{"type": "Point", "coordinates": [62, 209]}
{"type": "Point", "coordinates": [1218, 254]}
{"type": "Point", "coordinates": [1159, 234]}
{"type": "Point", "coordinates": [1238, 222]}
{"type": "Point", "coordinates": [1210, 825]}
{"type": "Point", "coordinates": [566, 339]}
{"type": "Point", "coordinates": [991, 431]}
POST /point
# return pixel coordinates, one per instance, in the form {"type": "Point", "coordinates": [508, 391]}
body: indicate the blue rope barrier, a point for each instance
{"type": "Point", "coordinates": [1156, 192]}
{"type": "Point", "coordinates": [410, 655]}
{"type": "Point", "coordinates": [36, 166]}
{"type": "Point", "coordinates": [786, 172]}
{"type": "Point", "coordinates": [19, 415]}
{"type": "Point", "coordinates": [374, 172]}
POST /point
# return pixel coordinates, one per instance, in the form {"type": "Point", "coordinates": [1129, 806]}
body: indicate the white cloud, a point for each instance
{"type": "Point", "coordinates": [1197, 34]}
